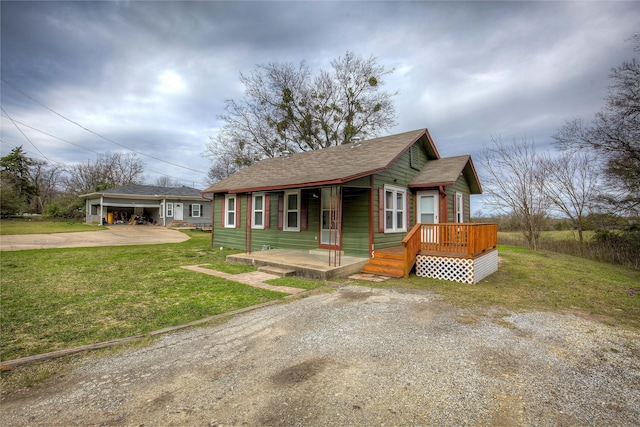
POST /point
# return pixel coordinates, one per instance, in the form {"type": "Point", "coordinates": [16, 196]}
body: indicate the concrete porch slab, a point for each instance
{"type": "Point", "coordinates": [311, 264]}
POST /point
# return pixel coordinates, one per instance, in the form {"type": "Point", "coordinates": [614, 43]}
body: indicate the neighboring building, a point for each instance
{"type": "Point", "coordinates": [356, 197]}
{"type": "Point", "coordinates": [149, 204]}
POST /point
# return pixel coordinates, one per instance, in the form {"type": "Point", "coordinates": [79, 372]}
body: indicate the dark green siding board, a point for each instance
{"type": "Point", "coordinates": [399, 174]}
{"type": "Point", "coordinates": [355, 221]}
{"type": "Point", "coordinates": [461, 186]}
{"type": "Point", "coordinates": [279, 239]}
{"type": "Point", "coordinates": [228, 237]}
{"type": "Point", "coordinates": [363, 182]}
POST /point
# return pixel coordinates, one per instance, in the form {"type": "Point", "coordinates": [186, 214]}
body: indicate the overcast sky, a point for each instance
{"type": "Point", "coordinates": [153, 76]}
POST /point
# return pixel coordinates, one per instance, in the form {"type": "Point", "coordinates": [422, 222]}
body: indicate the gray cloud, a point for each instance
{"type": "Point", "coordinates": [154, 75]}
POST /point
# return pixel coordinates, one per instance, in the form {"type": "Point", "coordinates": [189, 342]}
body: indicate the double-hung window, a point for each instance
{"type": "Point", "coordinates": [459, 207]}
{"type": "Point", "coordinates": [169, 209]}
{"type": "Point", "coordinates": [292, 211]}
{"type": "Point", "coordinates": [195, 210]}
{"type": "Point", "coordinates": [257, 210]}
{"type": "Point", "coordinates": [395, 205]}
{"type": "Point", "coordinates": [230, 210]}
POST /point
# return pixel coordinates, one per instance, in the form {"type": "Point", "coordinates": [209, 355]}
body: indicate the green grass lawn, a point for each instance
{"type": "Point", "coordinates": [59, 298]}
{"type": "Point", "coordinates": [39, 226]}
{"type": "Point", "coordinates": [546, 281]}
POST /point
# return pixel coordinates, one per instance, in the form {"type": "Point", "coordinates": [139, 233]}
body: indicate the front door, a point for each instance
{"type": "Point", "coordinates": [427, 213]}
{"type": "Point", "coordinates": [330, 214]}
{"type": "Point", "coordinates": [178, 213]}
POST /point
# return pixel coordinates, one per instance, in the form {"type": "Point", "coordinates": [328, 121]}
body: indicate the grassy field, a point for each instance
{"type": "Point", "coordinates": [59, 298]}
{"type": "Point", "coordinates": [37, 225]}
{"type": "Point", "coordinates": [567, 242]}
{"type": "Point", "coordinates": [547, 281]}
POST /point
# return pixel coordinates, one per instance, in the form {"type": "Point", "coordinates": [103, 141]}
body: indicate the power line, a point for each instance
{"type": "Point", "coordinates": [97, 134]}
{"type": "Point", "coordinates": [23, 134]}
{"type": "Point", "coordinates": [76, 145]}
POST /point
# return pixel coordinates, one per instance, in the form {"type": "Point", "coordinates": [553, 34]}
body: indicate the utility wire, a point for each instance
{"type": "Point", "coordinates": [97, 134]}
{"type": "Point", "coordinates": [25, 136]}
{"type": "Point", "coordinates": [79, 146]}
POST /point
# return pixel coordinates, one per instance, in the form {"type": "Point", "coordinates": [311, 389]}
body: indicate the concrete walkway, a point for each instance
{"type": "Point", "coordinates": [254, 278]}
{"type": "Point", "coordinates": [113, 235]}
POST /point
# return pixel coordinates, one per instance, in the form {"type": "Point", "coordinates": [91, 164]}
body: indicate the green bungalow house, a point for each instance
{"type": "Point", "coordinates": [375, 199]}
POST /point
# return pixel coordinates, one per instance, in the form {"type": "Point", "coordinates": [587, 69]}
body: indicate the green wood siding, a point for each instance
{"type": "Point", "coordinates": [355, 221]}
{"type": "Point", "coordinates": [235, 238]}
{"type": "Point", "coordinates": [399, 174]}
{"type": "Point", "coordinates": [461, 186]}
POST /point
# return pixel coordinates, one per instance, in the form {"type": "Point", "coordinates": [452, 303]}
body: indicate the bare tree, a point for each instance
{"type": "Point", "coordinates": [571, 183]}
{"type": "Point", "coordinates": [614, 134]}
{"type": "Point", "coordinates": [514, 185]}
{"type": "Point", "coordinates": [285, 109]}
{"type": "Point", "coordinates": [167, 181]}
{"type": "Point", "coordinates": [47, 179]}
{"type": "Point", "coordinates": [108, 171]}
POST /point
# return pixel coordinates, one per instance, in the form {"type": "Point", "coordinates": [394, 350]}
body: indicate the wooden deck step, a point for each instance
{"type": "Point", "coordinates": [386, 262]}
{"type": "Point", "coordinates": [383, 270]}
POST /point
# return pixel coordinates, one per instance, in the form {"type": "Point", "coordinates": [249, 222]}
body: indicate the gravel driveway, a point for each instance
{"type": "Point", "coordinates": [356, 356]}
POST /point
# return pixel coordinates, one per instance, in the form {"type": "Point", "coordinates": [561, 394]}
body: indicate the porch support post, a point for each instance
{"type": "Point", "coordinates": [372, 193]}
{"type": "Point", "coordinates": [444, 209]}
{"type": "Point", "coordinates": [248, 228]}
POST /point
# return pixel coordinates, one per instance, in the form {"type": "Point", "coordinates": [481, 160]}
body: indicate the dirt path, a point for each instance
{"type": "Point", "coordinates": [356, 356]}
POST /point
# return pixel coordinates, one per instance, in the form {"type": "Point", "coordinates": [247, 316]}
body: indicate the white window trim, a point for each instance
{"type": "Point", "coordinates": [287, 210]}
{"type": "Point", "coordinates": [199, 210]}
{"type": "Point", "coordinates": [254, 211]}
{"type": "Point", "coordinates": [394, 210]}
{"type": "Point", "coordinates": [161, 209]}
{"type": "Point", "coordinates": [228, 224]}
{"type": "Point", "coordinates": [460, 208]}
{"type": "Point", "coordinates": [169, 209]}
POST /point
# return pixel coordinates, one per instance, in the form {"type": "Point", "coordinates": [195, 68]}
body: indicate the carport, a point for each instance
{"type": "Point", "coordinates": [147, 204]}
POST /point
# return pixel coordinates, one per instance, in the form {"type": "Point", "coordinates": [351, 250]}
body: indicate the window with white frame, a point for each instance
{"type": "Point", "coordinates": [395, 205]}
{"type": "Point", "coordinates": [169, 209]}
{"type": "Point", "coordinates": [230, 210]}
{"type": "Point", "coordinates": [292, 211]}
{"type": "Point", "coordinates": [459, 207]}
{"type": "Point", "coordinates": [257, 210]}
{"type": "Point", "coordinates": [195, 210]}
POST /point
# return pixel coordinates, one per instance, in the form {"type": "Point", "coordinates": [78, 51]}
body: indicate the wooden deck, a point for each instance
{"type": "Point", "coordinates": [450, 240]}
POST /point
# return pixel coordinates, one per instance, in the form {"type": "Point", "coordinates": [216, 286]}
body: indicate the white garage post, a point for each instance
{"type": "Point", "coordinates": [101, 204]}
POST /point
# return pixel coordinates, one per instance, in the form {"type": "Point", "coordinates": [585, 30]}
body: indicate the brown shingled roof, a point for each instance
{"type": "Point", "coordinates": [445, 172]}
{"type": "Point", "coordinates": [331, 165]}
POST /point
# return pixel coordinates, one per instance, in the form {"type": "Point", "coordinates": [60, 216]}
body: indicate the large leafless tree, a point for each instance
{"type": "Point", "coordinates": [107, 171]}
{"type": "Point", "coordinates": [285, 108]}
{"type": "Point", "coordinates": [571, 182]}
{"type": "Point", "coordinates": [614, 135]}
{"type": "Point", "coordinates": [514, 185]}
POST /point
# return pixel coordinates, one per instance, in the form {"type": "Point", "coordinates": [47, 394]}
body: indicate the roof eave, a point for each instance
{"type": "Point", "coordinates": [294, 186]}
{"type": "Point", "coordinates": [432, 184]}
{"type": "Point", "coordinates": [141, 196]}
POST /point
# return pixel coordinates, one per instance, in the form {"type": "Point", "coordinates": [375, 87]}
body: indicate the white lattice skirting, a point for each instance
{"type": "Point", "coordinates": [457, 269]}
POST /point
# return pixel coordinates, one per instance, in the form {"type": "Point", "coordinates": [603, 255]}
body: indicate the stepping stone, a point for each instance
{"type": "Point", "coordinates": [277, 271]}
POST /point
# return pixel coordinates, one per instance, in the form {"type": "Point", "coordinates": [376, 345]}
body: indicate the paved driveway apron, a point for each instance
{"type": "Point", "coordinates": [117, 235]}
